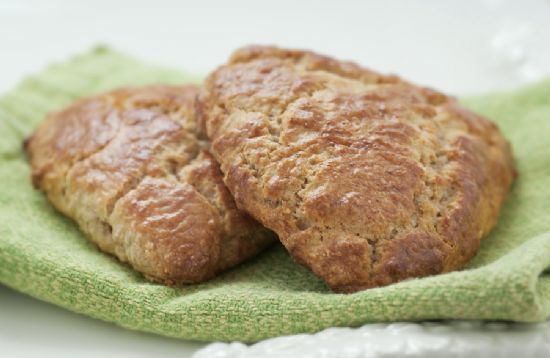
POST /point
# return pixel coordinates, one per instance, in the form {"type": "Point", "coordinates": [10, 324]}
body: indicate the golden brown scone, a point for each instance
{"type": "Point", "coordinates": [367, 179]}
{"type": "Point", "coordinates": [132, 169]}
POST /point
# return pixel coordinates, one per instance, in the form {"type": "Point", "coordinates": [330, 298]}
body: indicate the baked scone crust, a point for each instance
{"type": "Point", "coordinates": [366, 178]}
{"type": "Point", "coordinates": [132, 168]}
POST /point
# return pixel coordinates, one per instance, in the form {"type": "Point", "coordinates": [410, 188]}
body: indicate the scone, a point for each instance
{"type": "Point", "coordinates": [367, 179]}
{"type": "Point", "coordinates": [133, 170]}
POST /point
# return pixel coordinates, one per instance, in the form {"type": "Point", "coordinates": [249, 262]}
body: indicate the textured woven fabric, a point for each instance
{"type": "Point", "coordinates": [43, 254]}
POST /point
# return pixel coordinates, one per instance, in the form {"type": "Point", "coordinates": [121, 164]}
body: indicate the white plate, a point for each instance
{"type": "Point", "coordinates": [453, 339]}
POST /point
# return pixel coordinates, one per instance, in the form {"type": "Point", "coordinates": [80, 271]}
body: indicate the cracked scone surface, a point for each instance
{"type": "Point", "coordinates": [133, 170]}
{"type": "Point", "coordinates": [367, 179]}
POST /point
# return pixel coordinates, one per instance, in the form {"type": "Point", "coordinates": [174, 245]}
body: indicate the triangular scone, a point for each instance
{"type": "Point", "coordinates": [133, 170]}
{"type": "Point", "coordinates": [367, 179]}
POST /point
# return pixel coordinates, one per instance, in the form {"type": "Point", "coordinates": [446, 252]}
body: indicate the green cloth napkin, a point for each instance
{"type": "Point", "coordinates": [44, 255]}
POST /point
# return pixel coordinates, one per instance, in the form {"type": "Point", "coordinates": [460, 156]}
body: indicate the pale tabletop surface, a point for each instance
{"type": "Point", "coordinates": [461, 47]}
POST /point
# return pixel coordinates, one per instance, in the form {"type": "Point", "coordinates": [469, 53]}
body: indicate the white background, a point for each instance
{"type": "Point", "coordinates": [461, 47]}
